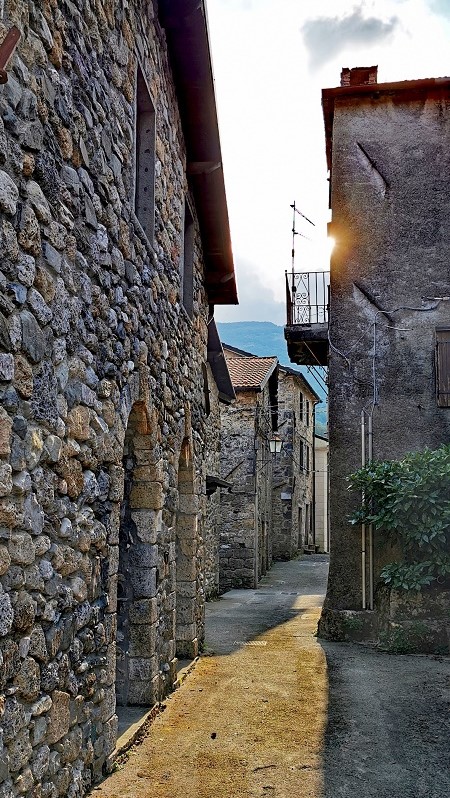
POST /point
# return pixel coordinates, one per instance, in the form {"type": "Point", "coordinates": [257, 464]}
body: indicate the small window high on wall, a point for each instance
{"type": "Point", "coordinates": [443, 366]}
{"type": "Point", "coordinates": [144, 203]}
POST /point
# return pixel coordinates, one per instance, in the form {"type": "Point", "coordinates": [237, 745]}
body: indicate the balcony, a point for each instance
{"type": "Point", "coordinates": [306, 331]}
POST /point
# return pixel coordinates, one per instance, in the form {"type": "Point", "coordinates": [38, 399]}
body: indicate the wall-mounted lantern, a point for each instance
{"type": "Point", "coordinates": [275, 443]}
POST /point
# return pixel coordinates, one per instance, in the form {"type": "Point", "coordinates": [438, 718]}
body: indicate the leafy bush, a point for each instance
{"type": "Point", "coordinates": [408, 500]}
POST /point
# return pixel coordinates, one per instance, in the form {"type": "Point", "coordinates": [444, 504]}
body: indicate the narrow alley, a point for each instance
{"type": "Point", "coordinates": [273, 711]}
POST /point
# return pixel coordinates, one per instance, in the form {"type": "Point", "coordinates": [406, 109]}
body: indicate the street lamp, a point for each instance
{"type": "Point", "coordinates": [275, 444]}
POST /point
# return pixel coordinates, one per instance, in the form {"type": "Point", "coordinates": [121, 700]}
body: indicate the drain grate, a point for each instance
{"type": "Point", "coordinates": [250, 642]}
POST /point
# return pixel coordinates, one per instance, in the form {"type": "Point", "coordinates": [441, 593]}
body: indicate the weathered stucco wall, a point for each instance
{"type": "Point", "coordinates": [101, 386]}
{"type": "Point", "coordinates": [391, 222]}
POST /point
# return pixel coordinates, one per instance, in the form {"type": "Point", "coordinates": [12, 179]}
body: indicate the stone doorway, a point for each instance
{"type": "Point", "coordinates": [136, 662]}
{"type": "Point", "coordinates": [186, 559]}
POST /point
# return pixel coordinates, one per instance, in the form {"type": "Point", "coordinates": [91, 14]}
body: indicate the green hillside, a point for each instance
{"type": "Point", "coordinates": [262, 338]}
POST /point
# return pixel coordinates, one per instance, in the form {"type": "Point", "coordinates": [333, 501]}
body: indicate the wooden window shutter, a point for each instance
{"type": "Point", "coordinates": [443, 367]}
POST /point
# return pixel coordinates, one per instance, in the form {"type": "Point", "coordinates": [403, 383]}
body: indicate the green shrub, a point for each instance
{"type": "Point", "coordinates": [408, 501]}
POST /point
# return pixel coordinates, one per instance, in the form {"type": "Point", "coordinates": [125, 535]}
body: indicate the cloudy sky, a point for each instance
{"type": "Point", "coordinates": [271, 59]}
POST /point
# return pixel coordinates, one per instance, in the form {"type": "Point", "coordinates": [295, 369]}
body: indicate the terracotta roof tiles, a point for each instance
{"type": "Point", "coordinates": [250, 373]}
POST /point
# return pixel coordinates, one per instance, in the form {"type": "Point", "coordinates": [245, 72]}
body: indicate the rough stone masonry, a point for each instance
{"type": "Point", "coordinates": [102, 411]}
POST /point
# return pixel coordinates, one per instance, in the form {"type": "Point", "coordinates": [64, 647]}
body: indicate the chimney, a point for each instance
{"type": "Point", "coordinates": [359, 76]}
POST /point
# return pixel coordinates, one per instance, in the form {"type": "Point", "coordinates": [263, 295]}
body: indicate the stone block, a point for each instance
{"type": "Point", "coordinates": [143, 555]}
{"type": "Point", "coordinates": [5, 479]}
{"type": "Point", "coordinates": [142, 669]}
{"type": "Point", "coordinates": [143, 582]}
{"type": "Point", "coordinates": [9, 194]}
{"type": "Point", "coordinates": [5, 433]}
{"type": "Point", "coordinates": [142, 641]}
{"type": "Point", "coordinates": [59, 716]}
{"type": "Point", "coordinates": [186, 569]}
{"type": "Point", "coordinates": [144, 611]}
{"type": "Point", "coordinates": [6, 367]}
{"type": "Point", "coordinates": [148, 524]}
{"type": "Point", "coordinates": [21, 548]}
{"type": "Point", "coordinates": [185, 611]}
{"type": "Point", "coordinates": [19, 750]}
{"type": "Point", "coordinates": [144, 694]}
{"type": "Point", "coordinates": [187, 649]}
{"type": "Point", "coordinates": [78, 420]}
{"type": "Point", "coordinates": [147, 495]}
{"type": "Point", "coordinates": [6, 614]}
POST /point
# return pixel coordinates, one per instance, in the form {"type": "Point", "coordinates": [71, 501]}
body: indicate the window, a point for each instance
{"type": "Point", "coordinates": [187, 262]}
{"type": "Point", "coordinates": [307, 413]}
{"type": "Point", "coordinates": [307, 458]}
{"type": "Point", "coordinates": [443, 367]}
{"type": "Point", "coordinates": [302, 456]}
{"type": "Point", "coordinates": [144, 200]}
{"type": "Point", "coordinates": [302, 406]}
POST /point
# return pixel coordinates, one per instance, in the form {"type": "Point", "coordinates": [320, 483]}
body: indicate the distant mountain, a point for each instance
{"type": "Point", "coordinates": [262, 338]}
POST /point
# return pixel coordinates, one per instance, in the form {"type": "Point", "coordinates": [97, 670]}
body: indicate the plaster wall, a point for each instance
{"type": "Point", "coordinates": [391, 222]}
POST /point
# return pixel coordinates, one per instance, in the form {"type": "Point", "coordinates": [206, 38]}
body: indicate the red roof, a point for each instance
{"type": "Point", "coordinates": [250, 373]}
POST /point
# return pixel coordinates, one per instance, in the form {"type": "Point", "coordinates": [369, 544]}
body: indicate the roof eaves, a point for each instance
{"type": "Point", "coordinates": [186, 28]}
{"type": "Point", "coordinates": [403, 90]}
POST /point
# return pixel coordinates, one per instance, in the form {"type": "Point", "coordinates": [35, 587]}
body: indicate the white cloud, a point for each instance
{"type": "Point", "coordinates": [326, 37]}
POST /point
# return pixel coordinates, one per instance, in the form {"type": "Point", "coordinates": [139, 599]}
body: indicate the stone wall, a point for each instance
{"type": "Point", "coordinates": [292, 480]}
{"type": "Point", "coordinates": [237, 546]}
{"type": "Point", "coordinates": [101, 387]}
{"type": "Point", "coordinates": [245, 528]}
{"type": "Point", "coordinates": [212, 465]}
{"type": "Point", "coordinates": [391, 223]}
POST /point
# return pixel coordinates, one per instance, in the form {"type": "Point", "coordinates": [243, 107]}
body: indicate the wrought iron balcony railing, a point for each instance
{"type": "Point", "coordinates": [307, 298]}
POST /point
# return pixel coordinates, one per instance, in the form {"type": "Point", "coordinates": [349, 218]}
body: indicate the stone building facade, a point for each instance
{"type": "Point", "coordinates": [220, 394]}
{"type": "Point", "coordinates": [293, 469]}
{"type": "Point", "coordinates": [245, 529]}
{"type": "Point", "coordinates": [321, 513]}
{"type": "Point", "coordinates": [388, 155]}
{"type": "Point", "coordinates": [114, 247]}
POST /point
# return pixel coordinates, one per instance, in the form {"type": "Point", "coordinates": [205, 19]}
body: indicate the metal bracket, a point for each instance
{"type": "Point", "coordinates": [7, 48]}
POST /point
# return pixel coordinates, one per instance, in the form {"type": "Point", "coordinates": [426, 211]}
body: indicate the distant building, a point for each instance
{"type": "Point", "coordinates": [245, 527]}
{"type": "Point", "coordinates": [293, 505]}
{"type": "Point", "coordinates": [219, 392]}
{"type": "Point", "coordinates": [322, 537]}
{"type": "Point", "coordinates": [269, 513]}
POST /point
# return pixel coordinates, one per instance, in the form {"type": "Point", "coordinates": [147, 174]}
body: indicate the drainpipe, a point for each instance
{"type": "Point", "coordinates": [314, 476]}
{"type": "Point", "coordinates": [255, 465]}
{"type": "Point", "coordinates": [370, 525]}
{"type": "Point", "coordinates": [363, 526]}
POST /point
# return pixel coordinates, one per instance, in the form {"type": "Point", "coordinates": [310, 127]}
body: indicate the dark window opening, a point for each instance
{"type": "Point", "coordinates": [144, 202]}
{"type": "Point", "coordinates": [302, 456]}
{"type": "Point", "coordinates": [443, 367]}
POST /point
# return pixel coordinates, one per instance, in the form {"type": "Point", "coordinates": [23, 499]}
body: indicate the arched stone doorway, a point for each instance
{"type": "Point", "coordinates": [137, 680]}
{"type": "Point", "coordinates": [186, 542]}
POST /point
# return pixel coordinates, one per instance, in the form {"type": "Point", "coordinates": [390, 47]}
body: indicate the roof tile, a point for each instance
{"type": "Point", "coordinates": [250, 372]}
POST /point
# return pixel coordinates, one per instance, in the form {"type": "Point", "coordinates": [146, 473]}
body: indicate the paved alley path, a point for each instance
{"type": "Point", "coordinates": [275, 712]}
